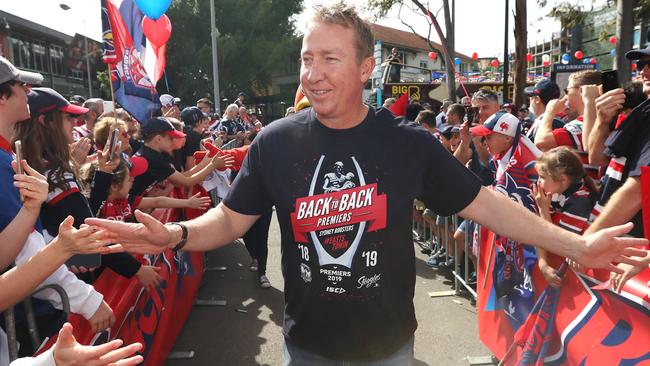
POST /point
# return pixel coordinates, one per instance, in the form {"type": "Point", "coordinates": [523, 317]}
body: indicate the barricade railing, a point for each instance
{"type": "Point", "coordinates": [10, 321]}
{"type": "Point", "coordinates": [445, 230]}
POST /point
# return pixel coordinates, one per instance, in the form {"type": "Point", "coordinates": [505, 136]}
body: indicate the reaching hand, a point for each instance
{"type": "Point", "coordinates": [149, 277]}
{"type": "Point", "coordinates": [199, 203]}
{"type": "Point", "coordinates": [79, 150]}
{"type": "Point", "coordinates": [86, 240]}
{"type": "Point", "coordinates": [32, 185]}
{"type": "Point", "coordinates": [149, 236]}
{"type": "Point", "coordinates": [102, 319]}
{"type": "Point", "coordinates": [606, 246]}
{"type": "Point", "coordinates": [67, 352]}
{"type": "Point", "coordinates": [222, 161]}
{"type": "Point", "coordinates": [618, 280]}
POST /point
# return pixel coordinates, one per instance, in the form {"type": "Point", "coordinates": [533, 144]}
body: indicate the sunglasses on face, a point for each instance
{"type": "Point", "coordinates": [640, 64]}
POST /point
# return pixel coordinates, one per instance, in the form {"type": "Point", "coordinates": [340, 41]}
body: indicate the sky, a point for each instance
{"type": "Point", "coordinates": [479, 23]}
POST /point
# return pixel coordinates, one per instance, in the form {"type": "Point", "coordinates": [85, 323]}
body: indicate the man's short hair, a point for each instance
{"type": "Point", "coordinates": [346, 16]}
{"type": "Point", "coordinates": [446, 103]}
{"type": "Point", "coordinates": [457, 110]}
{"type": "Point", "coordinates": [205, 101]}
{"type": "Point", "coordinates": [93, 104]}
{"type": "Point", "coordinates": [426, 117]}
{"type": "Point", "coordinates": [586, 77]}
{"type": "Point", "coordinates": [486, 96]}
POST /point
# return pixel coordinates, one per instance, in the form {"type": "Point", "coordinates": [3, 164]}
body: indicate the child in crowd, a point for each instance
{"type": "Point", "coordinates": [565, 195]}
{"type": "Point", "coordinates": [159, 135]}
{"type": "Point", "coordinates": [116, 204]}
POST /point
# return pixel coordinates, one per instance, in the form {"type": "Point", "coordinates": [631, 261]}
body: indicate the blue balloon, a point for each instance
{"type": "Point", "coordinates": [566, 57]}
{"type": "Point", "coordinates": [153, 9]}
{"type": "Point", "coordinates": [457, 61]}
{"type": "Point", "coordinates": [613, 52]}
{"type": "Point", "coordinates": [585, 60]}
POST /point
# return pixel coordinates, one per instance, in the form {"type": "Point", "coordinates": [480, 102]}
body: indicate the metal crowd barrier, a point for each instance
{"type": "Point", "coordinates": [10, 322]}
{"type": "Point", "coordinates": [421, 234]}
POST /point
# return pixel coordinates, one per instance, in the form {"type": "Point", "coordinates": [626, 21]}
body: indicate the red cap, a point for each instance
{"type": "Point", "coordinates": [138, 166]}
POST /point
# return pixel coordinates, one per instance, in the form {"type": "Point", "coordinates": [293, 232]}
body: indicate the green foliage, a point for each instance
{"type": "Point", "coordinates": [381, 7]}
{"type": "Point", "coordinates": [253, 42]}
{"type": "Point", "coordinates": [102, 77]}
{"type": "Point", "coordinates": [568, 14]}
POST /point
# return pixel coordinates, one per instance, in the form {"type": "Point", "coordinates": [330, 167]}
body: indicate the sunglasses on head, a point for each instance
{"type": "Point", "coordinates": [640, 64]}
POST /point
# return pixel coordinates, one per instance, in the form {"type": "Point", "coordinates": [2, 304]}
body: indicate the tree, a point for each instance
{"type": "Point", "coordinates": [256, 38]}
{"type": "Point", "coordinates": [521, 45]}
{"type": "Point", "coordinates": [381, 8]}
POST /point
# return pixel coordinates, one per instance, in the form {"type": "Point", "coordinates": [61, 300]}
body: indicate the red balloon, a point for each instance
{"type": "Point", "coordinates": [474, 56]}
{"type": "Point", "coordinates": [592, 61]}
{"type": "Point", "coordinates": [612, 39]}
{"type": "Point", "coordinates": [433, 55]}
{"type": "Point", "coordinates": [578, 55]}
{"type": "Point", "coordinates": [157, 31]}
{"type": "Point", "coordinates": [546, 63]}
{"type": "Point", "coordinates": [495, 63]}
{"type": "Point", "coordinates": [634, 66]}
{"type": "Point", "coordinates": [529, 57]}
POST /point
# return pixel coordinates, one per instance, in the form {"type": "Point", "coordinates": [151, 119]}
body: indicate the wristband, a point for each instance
{"type": "Point", "coordinates": [184, 234]}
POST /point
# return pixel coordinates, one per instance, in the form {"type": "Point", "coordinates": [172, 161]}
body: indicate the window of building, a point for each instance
{"type": "Point", "coordinates": [22, 54]}
{"type": "Point", "coordinates": [40, 56]}
{"type": "Point", "coordinates": [424, 64]}
{"type": "Point", "coordinates": [77, 74]}
{"type": "Point", "coordinates": [56, 54]}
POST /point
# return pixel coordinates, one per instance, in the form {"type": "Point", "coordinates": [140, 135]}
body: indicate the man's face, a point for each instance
{"type": "Point", "coordinates": [17, 102]}
{"type": "Point", "coordinates": [204, 107]}
{"type": "Point", "coordinates": [485, 109]}
{"type": "Point", "coordinates": [498, 143]}
{"type": "Point", "coordinates": [453, 119]}
{"type": "Point", "coordinates": [330, 74]}
{"type": "Point", "coordinates": [574, 105]}
{"type": "Point", "coordinates": [645, 76]}
{"type": "Point", "coordinates": [165, 143]}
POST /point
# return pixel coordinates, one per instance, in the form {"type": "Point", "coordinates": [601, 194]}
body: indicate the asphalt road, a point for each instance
{"type": "Point", "coordinates": [224, 335]}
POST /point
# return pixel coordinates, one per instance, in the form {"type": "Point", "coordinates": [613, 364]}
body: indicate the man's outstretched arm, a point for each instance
{"type": "Point", "coordinates": [216, 228]}
{"type": "Point", "coordinates": [597, 250]}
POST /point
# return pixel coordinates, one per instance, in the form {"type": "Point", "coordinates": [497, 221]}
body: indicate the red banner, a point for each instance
{"type": "Point", "coordinates": [346, 207]}
{"type": "Point", "coordinates": [589, 325]}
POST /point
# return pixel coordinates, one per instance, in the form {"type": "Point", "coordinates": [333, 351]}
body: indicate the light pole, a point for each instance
{"type": "Point", "coordinates": [215, 67]}
{"type": "Point", "coordinates": [66, 7]}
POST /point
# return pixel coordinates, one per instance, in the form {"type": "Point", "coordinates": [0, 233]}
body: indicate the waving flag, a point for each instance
{"type": "Point", "coordinates": [123, 39]}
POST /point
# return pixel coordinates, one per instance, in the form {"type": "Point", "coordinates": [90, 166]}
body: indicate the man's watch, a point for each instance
{"type": "Point", "coordinates": [184, 233]}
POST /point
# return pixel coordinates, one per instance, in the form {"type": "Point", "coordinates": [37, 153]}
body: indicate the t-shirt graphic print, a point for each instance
{"type": "Point", "coordinates": [339, 210]}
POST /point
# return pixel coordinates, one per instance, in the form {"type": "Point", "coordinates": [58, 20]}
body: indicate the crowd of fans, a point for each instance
{"type": "Point", "coordinates": [577, 176]}
{"type": "Point", "coordinates": [83, 158]}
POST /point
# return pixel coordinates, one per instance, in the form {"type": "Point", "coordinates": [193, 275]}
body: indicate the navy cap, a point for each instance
{"type": "Point", "coordinates": [545, 89]}
{"type": "Point", "coordinates": [638, 54]}
{"type": "Point", "coordinates": [449, 130]}
{"type": "Point", "coordinates": [158, 125]}
{"type": "Point", "coordinates": [43, 100]}
{"type": "Point", "coordinates": [192, 115]}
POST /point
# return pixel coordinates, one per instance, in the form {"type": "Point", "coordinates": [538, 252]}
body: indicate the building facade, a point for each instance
{"type": "Point", "coordinates": [60, 58]}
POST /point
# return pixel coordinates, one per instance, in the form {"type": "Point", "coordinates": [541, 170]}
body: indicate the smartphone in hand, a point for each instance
{"type": "Point", "coordinates": [610, 80]}
{"type": "Point", "coordinates": [112, 144]}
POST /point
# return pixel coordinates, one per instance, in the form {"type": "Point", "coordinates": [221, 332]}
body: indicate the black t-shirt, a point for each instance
{"type": "Point", "coordinates": [192, 143]}
{"type": "Point", "coordinates": [344, 202]}
{"type": "Point", "coordinates": [160, 168]}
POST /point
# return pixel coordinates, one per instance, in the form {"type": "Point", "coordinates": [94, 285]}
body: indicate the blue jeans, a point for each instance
{"type": "Point", "coordinates": [295, 356]}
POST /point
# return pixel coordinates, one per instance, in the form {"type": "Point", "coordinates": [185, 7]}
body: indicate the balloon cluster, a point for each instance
{"type": "Point", "coordinates": [155, 24]}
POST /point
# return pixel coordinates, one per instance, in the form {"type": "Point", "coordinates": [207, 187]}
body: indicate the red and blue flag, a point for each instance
{"type": "Point", "coordinates": [125, 47]}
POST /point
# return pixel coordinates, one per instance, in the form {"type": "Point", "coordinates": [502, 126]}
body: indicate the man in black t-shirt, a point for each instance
{"type": "Point", "coordinates": [347, 254]}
